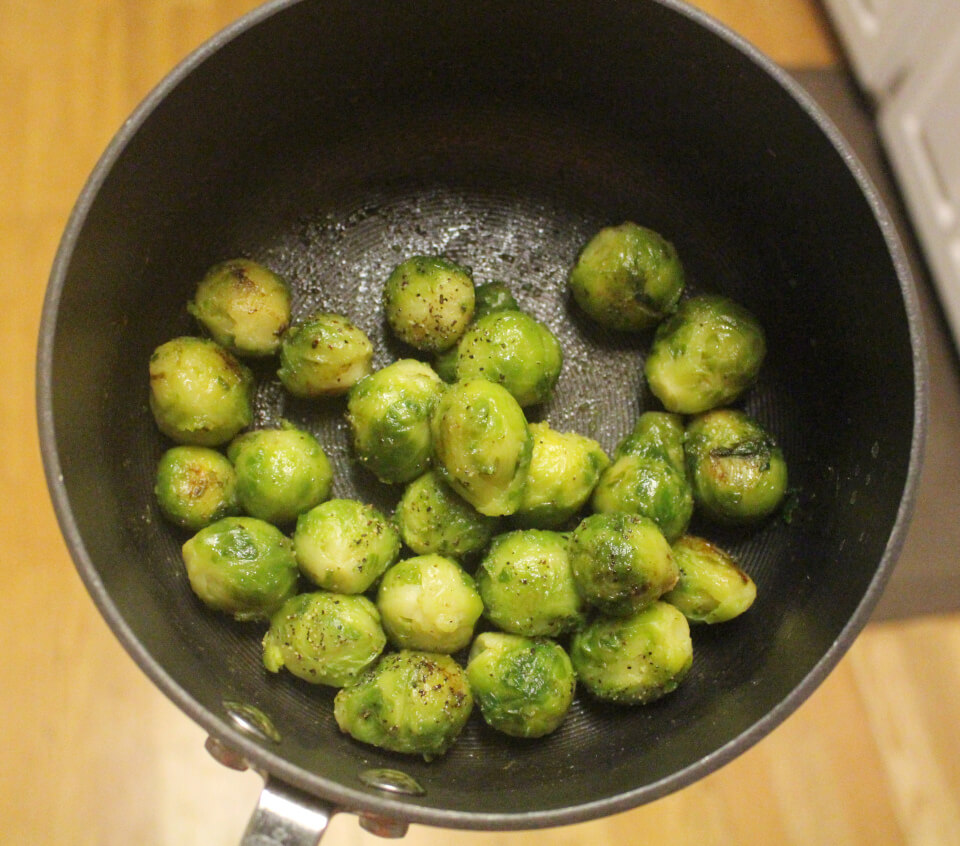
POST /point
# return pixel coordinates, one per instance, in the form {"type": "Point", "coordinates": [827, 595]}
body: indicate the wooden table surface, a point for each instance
{"type": "Point", "coordinates": [92, 753]}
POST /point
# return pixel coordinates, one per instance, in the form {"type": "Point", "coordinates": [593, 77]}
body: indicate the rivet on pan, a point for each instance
{"type": "Point", "coordinates": [251, 720]}
{"type": "Point", "coordinates": [383, 827]}
{"type": "Point", "coordinates": [223, 754]}
{"type": "Point", "coordinates": [392, 781]}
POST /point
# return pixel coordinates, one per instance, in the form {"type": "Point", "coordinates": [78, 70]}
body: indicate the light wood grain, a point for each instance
{"type": "Point", "coordinates": [93, 754]}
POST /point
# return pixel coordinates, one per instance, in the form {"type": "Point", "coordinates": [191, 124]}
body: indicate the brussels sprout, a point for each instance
{"type": "Point", "coordinates": [648, 475]}
{"type": "Point", "coordinates": [195, 487]}
{"type": "Point", "coordinates": [706, 355]}
{"type": "Point", "coordinates": [323, 356]}
{"type": "Point", "coordinates": [524, 687]}
{"type": "Point", "coordinates": [445, 365]}
{"type": "Point", "coordinates": [389, 413]}
{"type": "Point", "coordinates": [527, 586]}
{"type": "Point", "coordinates": [648, 487]}
{"type": "Point", "coordinates": [737, 471]}
{"type": "Point", "coordinates": [411, 702]}
{"type": "Point", "coordinates": [564, 468]}
{"type": "Point", "coordinates": [634, 660]}
{"type": "Point", "coordinates": [241, 566]}
{"type": "Point", "coordinates": [429, 301]}
{"type": "Point", "coordinates": [280, 472]}
{"type": "Point", "coordinates": [244, 306]}
{"type": "Point", "coordinates": [428, 602]}
{"type": "Point", "coordinates": [324, 638]}
{"type": "Point", "coordinates": [433, 519]}
{"type": "Point", "coordinates": [620, 562]}
{"type": "Point", "coordinates": [200, 394]}
{"type": "Point", "coordinates": [344, 546]}
{"type": "Point", "coordinates": [482, 445]}
{"type": "Point", "coordinates": [491, 297]}
{"type": "Point", "coordinates": [514, 350]}
{"type": "Point", "coordinates": [656, 434]}
{"type": "Point", "coordinates": [712, 588]}
{"type": "Point", "coordinates": [627, 277]}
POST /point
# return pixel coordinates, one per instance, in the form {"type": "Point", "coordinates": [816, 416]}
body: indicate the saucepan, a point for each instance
{"type": "Point", "coordinates": [329, 140]}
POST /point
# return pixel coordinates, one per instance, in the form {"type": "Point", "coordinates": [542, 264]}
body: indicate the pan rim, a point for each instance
{"type": "Point", "coordinates": [351, 799]}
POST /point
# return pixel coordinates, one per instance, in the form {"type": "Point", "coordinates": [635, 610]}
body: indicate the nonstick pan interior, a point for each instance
{"type": "Point", "coordinates": [330, 140]}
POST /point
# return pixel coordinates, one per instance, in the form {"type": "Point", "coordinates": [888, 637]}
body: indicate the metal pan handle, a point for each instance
{"type": "Point", "coordinates": [285, 816]}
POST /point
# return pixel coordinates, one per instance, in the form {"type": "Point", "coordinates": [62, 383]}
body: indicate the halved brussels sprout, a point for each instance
{"type": "Point", "coordinates": [712, 588]}
{"type": "Point", "coordinates": [323, 356]}
{"type": "Point", "coordinates": [527, 586]}
{"type": "Point", "coordinates": [737, 471]}
{"type": "Point", "coordinates": [564, 468]}
{"type": "Point", "coordinates": [514, 350]}
{"type": "Point", "coordinates": [324, 638]}
{"type": "Point", "coordinates": [649, 487]}
{"type": "Point", "coordinates": [491, 297]}
{"type": "Point", "coordinates": [524, 686]}
{"type": "Point", "coordinates": [429, 301]}
{"type": "Point", "coordinates": [195, 487]}
{"type": "Point", "coordinates": [428, 602]}
{"type": "Point", "coordinates": [482, 445]}
{"type": "Point", "coordinates": [280, 472]}
{"type": "Point", "coordinates": [433, 519]}
{"type": "Point", "coordinates": [634, 660]}
{"type": "Point", "coordinates": [411, 702]}
{"type": "Point", "coordinates": [704, 356]}
{"type": "Point", "coordinates": [389, 413]}
{"type": "Point", "coordinates": [620, 562]}
{"type": "Point", "coordinates": [244, 306]}
{"type": "Point", "coordinates": [627, 277]}
{"type": "Point", "coordinates": [656, 434]}
{"type": "Point", "coordinates": [200, 394]}
{"type": "Point", "coordinates": [344, 546]}
{"type": "Point", "coordinates": [241, 566]}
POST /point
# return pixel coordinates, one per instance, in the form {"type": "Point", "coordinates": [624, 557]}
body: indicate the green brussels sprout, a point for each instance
{"type": "Point", "coordinates": [564, 468]}
{"type": "Point", "coordinates": [445, 364]}
{"type": "Point", "coordinates": [712, 588]}
{"type": "Point", "coordinates": [244, 306]}
{"type": "Point", "coordinates": [648, 487]}
{"type": "Point", "coordinates": [324, 356]}
{"type": "Point", "coordinates": [200, 394]}
{"type": "Point", "coordinates": [389, 413]}
{"type": "Point", "coordinates": [344, 546]}
{"type": "Point", "coordinates": [433, 519]}
{"type": "Point", "coordinates": [526, 584]}
{"type": "Point", "coordinates": [656, 434]}
{"type": "Point", "coordinates": [705, 355]}
{"type": "Point", "coordinates": [428, 301]}
{"type": "Point", "coordinates": [524, 686]}
{"type": "Point", "coordinates": [737, 471]}
{"type": "Point", "coordinates": [514, 350]}
{"type": "Point", "coordinates": [620, 562]}
{"type": "Point", "coordinates": [280, 472]}
{"type": "Point", "coordinates": [241, 566]}
{"type": "Point", "coordinates": [491, 297]}
{"type": "Point", "coordinates": [634, 660]}
{"type": "Point", "coordinates": [428, 602]}
{"type": "Point", "coordinates": [412, 702]}
{"type": "Point", "coordinates": [482, 445]}
{"type": "Point", "coordinates": [627, 277]}
{"type": "Point", "coordinates": [195, 487]}
{"type": "Point", "coordinates": [324, 638]}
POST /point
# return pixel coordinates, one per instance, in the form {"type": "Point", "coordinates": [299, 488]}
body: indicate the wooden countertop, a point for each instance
{"type": "Point", "coordinates": [92, 754]}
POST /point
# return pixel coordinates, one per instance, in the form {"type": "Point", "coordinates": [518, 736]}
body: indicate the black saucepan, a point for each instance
{"type": "Point", "coordinates": [330, 139]}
